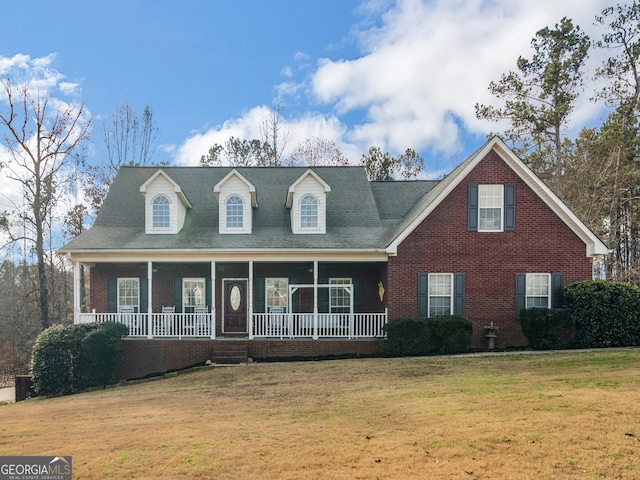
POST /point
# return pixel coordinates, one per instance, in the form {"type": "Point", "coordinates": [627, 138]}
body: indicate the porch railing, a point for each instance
{"type": "Point", "coordinates": [190, 325]}
{"type": "Point", "coordinates": [301, 325]}
{"type": "Point", "coordinates": [264, 325]}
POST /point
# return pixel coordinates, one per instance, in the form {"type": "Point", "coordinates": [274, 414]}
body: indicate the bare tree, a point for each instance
{"type": "Point", "coordinates": [42, 135]}
{"type": "Point", "coordinates": [317, 151]}
{"type": "Point", "coordinates": [129, 140]}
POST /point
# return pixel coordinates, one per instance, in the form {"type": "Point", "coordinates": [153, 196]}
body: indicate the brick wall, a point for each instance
{"type": "Point", "coordinates": [141, 358]}
{"type": "Point", "coordinates": [541, 243]}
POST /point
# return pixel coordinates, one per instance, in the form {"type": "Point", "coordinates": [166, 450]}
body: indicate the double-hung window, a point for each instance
{"type": "Point", "coordinates": [129, 293]}
{"type": "Point", "coordinates": [339, 296]}
{"type": "Point", "coordinates": [193, 293]}
{"type": "Point", "coordinates": [309, 212]}
{"type": "Point", "coordinates": [538, 290]}
{"type": "Point", "coordinates": [277, 294]}
{"type": "Point", "coordinates": [235, 212]}
{"type": "Point", "coordinates": [440, 294]}
{"type": "Point", "coordinates": [490, 204]}
{"type": "Point", "coordinates": [161, 212]}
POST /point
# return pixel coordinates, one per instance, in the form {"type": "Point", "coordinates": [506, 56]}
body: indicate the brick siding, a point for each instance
{"type": "Point", "coordinates": [541, 243]}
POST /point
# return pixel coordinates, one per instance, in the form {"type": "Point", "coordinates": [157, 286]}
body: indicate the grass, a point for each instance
{"type": "Point", "coordinates": [555, 416]}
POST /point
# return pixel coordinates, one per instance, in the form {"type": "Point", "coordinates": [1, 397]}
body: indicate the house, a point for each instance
{"type": "Point", "coordinates": [305, 262]}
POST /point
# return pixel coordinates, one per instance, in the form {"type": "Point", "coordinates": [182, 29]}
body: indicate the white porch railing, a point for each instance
{"type": "Point", "coordinates": [308, 325]}
{"type": "Point", "coordinates": [181, 325]}
{"type": "Point", "coordinates": [264, 325]}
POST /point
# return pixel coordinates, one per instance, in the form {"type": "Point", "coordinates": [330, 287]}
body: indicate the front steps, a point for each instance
{"type": "Point", "coordinates": [230, 351]}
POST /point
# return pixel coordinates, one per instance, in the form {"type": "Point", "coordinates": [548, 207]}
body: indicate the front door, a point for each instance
{"type": "Point", "coordinates": [235, 306]}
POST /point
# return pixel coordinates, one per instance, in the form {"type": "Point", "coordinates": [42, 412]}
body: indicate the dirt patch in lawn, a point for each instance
{"type": "Point", "coordinates": [516, 416]}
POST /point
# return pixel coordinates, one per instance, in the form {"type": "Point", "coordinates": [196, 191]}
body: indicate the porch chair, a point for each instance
{"type": "Point", "coordinates": [201, 321]}
{"type": "Point", "coordinates": [166, 322]}
{"type": "Point", "coordinates": [128, 317]}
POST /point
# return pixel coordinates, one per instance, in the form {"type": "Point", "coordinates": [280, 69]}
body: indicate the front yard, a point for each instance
{"type": "Point", "coordinates": [558, 415]}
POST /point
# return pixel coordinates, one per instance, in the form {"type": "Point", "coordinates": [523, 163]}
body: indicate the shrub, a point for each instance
{"type": "Point", "coordinates": [450, 334]}
{"type": "Point", "coordinates": [68, 358]}
{"type": "Point", "coordinates": [98, 354]}
{"type": "Point", "coordinates": [416, 337]}
{"type": "Point", "coordinates": [54, 359]}
{"type": "Point", "coordinates": [606, 314]}
{"type": "Point", "coordinates": [547, 329]}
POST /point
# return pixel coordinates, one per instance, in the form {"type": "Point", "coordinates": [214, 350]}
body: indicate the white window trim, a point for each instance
{"type": "Point", "coordinates": [226, 213]}
{"type": "Point", "coordinates": [480, 208]}
{"type": "Point", "coordinates": [526, 288]}
{"type": "Point", "coordinates": [204, 291]}
{"type": "Point", "coordinates": [451, 296]}
{"type": "Point", "coordinates": [161, 229]}
{"type": "Point", "coordinates": [266, 295]}
{"type": "Point", "coordinates": [317, 226]}
{"type": "Point", "coordinates": [118, 280]}
{"type": "Point", "coordinates": [246, 215]}
{"type": "Point", "coordinates": [340, 284]}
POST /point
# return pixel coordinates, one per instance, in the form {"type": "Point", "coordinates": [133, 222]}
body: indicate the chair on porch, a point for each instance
{"type": "Point", "coordinates": [166, 321]}
{"type": "Point", "coordinates": [127, 316]}
{"type": "Point", "coordinates": [201, 320]}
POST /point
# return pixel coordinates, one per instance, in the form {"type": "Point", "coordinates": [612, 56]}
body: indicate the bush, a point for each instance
{"type": "Point", "coordinates": [98, 354]}
{"type": "Point", "coordinates": [416, 337]}
{"type": "Point", "coordinates": [64, 361]}
{"type": "Point", "coordinates": [606, 314]}
{"type": "Point", "coordinates": [547, 329]}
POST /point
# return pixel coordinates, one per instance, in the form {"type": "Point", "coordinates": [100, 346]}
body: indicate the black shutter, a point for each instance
{"type": "Point", "coordinates": [208, 297]}
{"type": "Point", "coordinates": [177, 294]}
{"type": "Point", "coordinates": [521, 293]}
{"type": "Point", "coordinates": [458, 289]}
{"type": "Point", "coordinates": [509, 207]}
{"type": "Point", "coordinates": [357, 294]}
{"type": "Point", "coordinates": [472, 208]}
{"type": "Point", "coordinates": [295, 298]}
{"type": "Point", "coordinates": [144, 295]}
{"type": "Point", "coordinates": [323, 294]}
{"type": "Point", "coordinates": [112, 295]}
{"type": "Point", "coordinates": [260, 295]}
{"type": "Point", "coordinates": [423, 295]}
{"type": "Point", "coordinates": [556, 290]}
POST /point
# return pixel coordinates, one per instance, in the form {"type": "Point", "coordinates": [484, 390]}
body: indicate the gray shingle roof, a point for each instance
{"type": "Point", "coordinates": [360, 214]}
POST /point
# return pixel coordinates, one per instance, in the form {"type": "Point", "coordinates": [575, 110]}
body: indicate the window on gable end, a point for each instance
{"type": "Point", "coordinates": [309, 212]}
{"type": "Point", "coordinates": [235, 212]}
{"type": "Point", "coordinates": [161, 212]}
{"type": "Point", "coordinates": [490, 205]}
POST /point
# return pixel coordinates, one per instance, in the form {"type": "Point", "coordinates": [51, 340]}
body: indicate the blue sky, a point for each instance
{"type": "Point", "coordinates": [397, 75]}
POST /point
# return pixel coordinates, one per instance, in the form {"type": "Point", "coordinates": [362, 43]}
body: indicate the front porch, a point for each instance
{"type": "Point", "coordinates": [261, 325]}
{"type": "Point", "coordinates": [285, 300]}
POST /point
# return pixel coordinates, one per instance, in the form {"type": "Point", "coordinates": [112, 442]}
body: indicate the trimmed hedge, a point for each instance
{"type": "Point", "coordinates": [605, 314]}
{"type": "Point", "coordinates": [68, 358]}
{"type": "Point", "coordinates": [416, 337]}
{"type": "Point", "coordinates": [547, 328]}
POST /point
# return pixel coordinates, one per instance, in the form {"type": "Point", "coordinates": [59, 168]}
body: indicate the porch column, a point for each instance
{"type": "Point", "coordinates": [315, 300]}
{"type": "Point", "coordinates": [250, 300]}
{"type": "Point", "coordinates": [77, 288]}
{"type": "Point", "coordinates": [213, 300]}
{"type": "Point", "coordinates": [149, 298]}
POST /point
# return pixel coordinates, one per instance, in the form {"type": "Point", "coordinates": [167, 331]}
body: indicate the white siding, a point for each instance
{"type": "Point", "coordinates": [309, 186]}
{"type": "Point", "coordinates": [234, 186]}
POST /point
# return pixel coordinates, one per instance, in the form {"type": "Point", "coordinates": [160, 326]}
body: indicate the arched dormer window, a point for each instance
{"type": "Point", "coordinates": [235, 212]}
{"type": "Point", "coordinates": [161, 212]}
{"type": "Point", "coordinates": [309, 212]}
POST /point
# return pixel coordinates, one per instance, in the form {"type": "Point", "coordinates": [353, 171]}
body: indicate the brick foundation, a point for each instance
{"type": "Point", "coordinates": [141, 358]}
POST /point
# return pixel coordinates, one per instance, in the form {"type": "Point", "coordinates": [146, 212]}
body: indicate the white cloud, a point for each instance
{"type": "Point", "coordinates": [250, 125]}
{"type": "Point", "coordinates": [428, 63]}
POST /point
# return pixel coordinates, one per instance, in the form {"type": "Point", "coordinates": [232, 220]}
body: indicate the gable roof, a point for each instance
{"type": "Point", "coordinates": [294, 185]}
{"type": "Point", "coordinates": [362, 216]}
{"type": "Point", "coordinates": [250, 186]}
{"type": "Point", "coordinates": [176, 188]}
{"type": "Point", "coordinates": [433, 198]}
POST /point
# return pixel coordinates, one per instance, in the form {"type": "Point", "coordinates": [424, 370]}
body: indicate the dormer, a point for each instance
{"type": "Point", "coordinates": [307, 200]}
{"type": "Point", "coordinates": [165, 204]}
{"type": "Point", "coordinates": [236, 201]}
